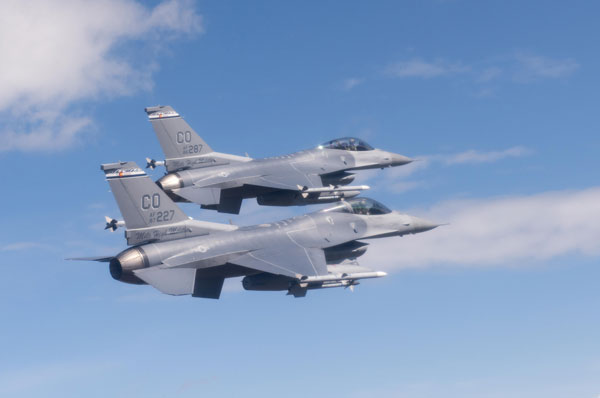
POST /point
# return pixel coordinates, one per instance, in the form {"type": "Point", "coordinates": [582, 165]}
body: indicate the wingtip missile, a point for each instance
{"type": "Point", "coordinates": [112, 224]}
{"type": "Point", "coordinates": [152, 163]}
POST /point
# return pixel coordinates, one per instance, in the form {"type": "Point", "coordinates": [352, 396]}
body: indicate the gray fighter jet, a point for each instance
{"type": "Point", "coordinates": [218, 181]}
{"type": "Point", "coordinates": [178, 255]}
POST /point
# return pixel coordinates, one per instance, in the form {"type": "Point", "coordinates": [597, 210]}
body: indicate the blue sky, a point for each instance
{"type": "Point", "coordinates": [498, 100]}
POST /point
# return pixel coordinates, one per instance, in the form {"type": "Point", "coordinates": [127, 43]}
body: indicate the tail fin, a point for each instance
{"type": "Point", "coordinates": [142, 203]}
{"type": "Point", "coordinates": [176, 137]}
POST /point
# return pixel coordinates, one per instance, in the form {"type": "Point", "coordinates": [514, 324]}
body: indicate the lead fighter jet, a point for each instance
{"type": "Point", "coordinates": [178, 255]}
{"type": "Point", "coordinates": [218, 181]}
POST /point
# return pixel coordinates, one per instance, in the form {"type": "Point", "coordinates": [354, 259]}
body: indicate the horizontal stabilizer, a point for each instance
{"type": "Point", "coordinates": [174, 281]}
{"type": "Point", "coordinates": [180, 281]}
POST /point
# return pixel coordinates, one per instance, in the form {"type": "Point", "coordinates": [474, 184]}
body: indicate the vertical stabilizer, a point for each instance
{"type": "Point", "coordinates": [176, 137]}
{"type": "Point", "coordinates": [142, 203]}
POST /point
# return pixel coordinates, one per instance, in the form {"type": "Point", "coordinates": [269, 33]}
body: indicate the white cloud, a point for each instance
{"type": "Point", "coordinates": [473, 156]}
{"type": "Point", "coordinates": [536, 66]}
{"type": "Point", "coordinates": [50, 134]}
{"type": "Point", "coordinates": [420, 163]}
{"type": "Point", "coordinates": [56, 53]}
{"type": "Point", "coordinates": [518, 67]}
{"type": "Point", "coordinates": [404, 186]}
{"type": "Point", "coordinates": [501, 231]}
{"type": "Point", "coordinates": [397, 180]}
{"type": "Point", "coordinates": [417, 67]}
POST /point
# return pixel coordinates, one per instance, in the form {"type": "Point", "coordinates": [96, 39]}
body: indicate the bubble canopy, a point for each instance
{"type": "Point", "coordinates": [364, 206]}
{"type": "Point", "coordinates": [348, 144]}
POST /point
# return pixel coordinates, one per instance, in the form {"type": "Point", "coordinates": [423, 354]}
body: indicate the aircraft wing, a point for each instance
{"type": "Point", "coordinates": [223, 180]}
{"type": "Point", "coordinates": [293, 261]}
{"type": "Point", "coordinates": [290, 179]}
{"type": "Point", "coordinates": [283, 257]}
{"type": "Point", "coordinates": [184, 274]}
{"type": "Point", "coordinates": [286, 177]}
{"type": "Point", "coordinates": [208, 191]}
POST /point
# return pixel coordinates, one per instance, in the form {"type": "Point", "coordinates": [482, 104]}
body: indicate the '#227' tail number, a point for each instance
{"type": "Point", "coordinates": [161, 216]}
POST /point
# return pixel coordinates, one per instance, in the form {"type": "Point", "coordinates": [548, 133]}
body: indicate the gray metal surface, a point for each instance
{"type": "Point", "coordinates": [221, 181]}
{"type": "Point", "coordinates": [179, 258]}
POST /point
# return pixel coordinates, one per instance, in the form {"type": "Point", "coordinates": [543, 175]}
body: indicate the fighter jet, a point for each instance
{"type": "Point", "coordinates": [178, 255]}
{"type": "Point", "coordinates": [218, 181]}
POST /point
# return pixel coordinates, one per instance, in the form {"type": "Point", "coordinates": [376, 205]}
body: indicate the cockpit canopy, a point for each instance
{"type": "Point", "coordinates": [364, 206]}
{"type": "Point", "coordinates": [348, 144]}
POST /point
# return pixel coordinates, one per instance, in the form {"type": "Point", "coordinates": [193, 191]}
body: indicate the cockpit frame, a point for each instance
{"type": "Point", "coordinates": [361, 206]}
{"type": "Point", "coordinates": [348, 144]}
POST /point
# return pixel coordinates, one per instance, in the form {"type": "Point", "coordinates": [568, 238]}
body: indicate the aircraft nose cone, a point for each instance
{"type": "Point", "coordinates": [399, 160]}
{"type": "Point", "coordinates": [421, 225]}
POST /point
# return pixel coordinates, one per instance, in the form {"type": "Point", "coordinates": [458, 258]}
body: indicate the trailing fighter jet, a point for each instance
{"type": "Point", "coordinates": [218, 181]}
{"type": "Point", "coordinates": [178, 255]}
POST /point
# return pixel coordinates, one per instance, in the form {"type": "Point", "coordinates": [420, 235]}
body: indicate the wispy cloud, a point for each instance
{"type": "Point", "coordinates": [536, 66]}
{"type": "Point", "coordinates": [502, 231]}
{"type": "Point", "coordinates": [518, 67]}
{"type": "Point", "coordinates": [350, 83]}
{"type": "Point", "coordinates": [19, 246]}
{"type": "Point", "coordinates": [417, 67]}
{"type": "Point", "coordinates": [473, 156]}
{"type": "Point", "coordinates": [489, 74]}
{"type": "Point", "coordinates": [55, 56]}
{"type": "Point", "coordinates": [398, 179]}
{"type": "Point", "coordinates": [44, 133]}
